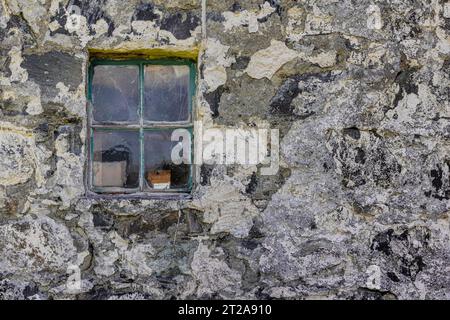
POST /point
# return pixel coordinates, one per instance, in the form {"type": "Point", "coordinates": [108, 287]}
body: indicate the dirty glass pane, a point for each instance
{"type": "Point", "coordinates": [160, 172]}
{"type": "Point", "coordinates": [116, 158]}
{"type": "Point", "coordinates": [166, 93]}
{"type": "Point", "coordinates": [115, 93]}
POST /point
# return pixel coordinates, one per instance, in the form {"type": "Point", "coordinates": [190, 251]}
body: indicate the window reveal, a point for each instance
{"type": "Point", "coordinates": [134, 106]}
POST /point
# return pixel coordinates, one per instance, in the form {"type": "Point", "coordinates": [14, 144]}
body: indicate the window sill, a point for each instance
{"type": "Point", "coordinates": [139, 196]}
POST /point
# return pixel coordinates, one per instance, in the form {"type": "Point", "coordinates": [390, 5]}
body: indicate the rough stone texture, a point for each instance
{"type": "Point", "coordinates": [359, 91]}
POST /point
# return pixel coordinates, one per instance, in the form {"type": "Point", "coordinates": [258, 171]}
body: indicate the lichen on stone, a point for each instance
{"type": "Point", "coordinates": [359, 208]}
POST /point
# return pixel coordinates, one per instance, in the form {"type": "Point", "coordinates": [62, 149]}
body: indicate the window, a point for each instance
{"type": "Point", "coordinates": [134, 107]}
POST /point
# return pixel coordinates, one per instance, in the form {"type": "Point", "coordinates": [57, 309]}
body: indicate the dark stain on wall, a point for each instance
{"type": "Point", "coordinates": [180, 24]}
{"type": "Point", "coordinates": [213, 99]}
{"type": "Point", "coordinates": [440, 182]}
{"type": "Point", "coordinates": [281, 103]}
{"type": "Point", "coordinates": [145, 11]}
{"type": "Point", "coordinates": [52, 67]}
{"type": "Point", "coordinates": [92, 10]}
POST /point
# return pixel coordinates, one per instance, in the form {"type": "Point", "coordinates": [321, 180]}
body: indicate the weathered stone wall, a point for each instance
{"type": "Point", "coordinates": [359, 90]}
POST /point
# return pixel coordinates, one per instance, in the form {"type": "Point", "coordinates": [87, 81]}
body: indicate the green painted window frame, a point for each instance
{"type": "Point", "coordinates": [141, 127]}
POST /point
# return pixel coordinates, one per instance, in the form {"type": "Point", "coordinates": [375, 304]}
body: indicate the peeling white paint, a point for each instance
{"type": "Point", "coordinates": [447, 10]}
{"type": "Point", "coordinates": [226, 208]}
{"type": "Point", "coordinates": [264, 63]}
{"type": "Point", "coordinates": [245, 17]}
{"type": "Point", "coordinates": [374, 20]}
{"type": "Point", "coordinates": [33, 11]}
{"type": "Point", "coordinates": [34, 107]}
{"type": "Point", "coordinates": [18, 163]}
{"type": "Point", "coordinates": [324, 59]}
{"type": "Point", "coordinates": [213, 275]}
{"type": "Point", "coordinates": [30, 247]}
{"type": "Point", "coordinates": [216, 59]}
{"type": "Point", "coordinates": [295, 28]}
{"type": "Point", "coordinates": [17, 72]}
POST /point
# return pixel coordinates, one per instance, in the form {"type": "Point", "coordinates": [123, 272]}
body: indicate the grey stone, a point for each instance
{"type": "Point", "coordinates": [359, 91]}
